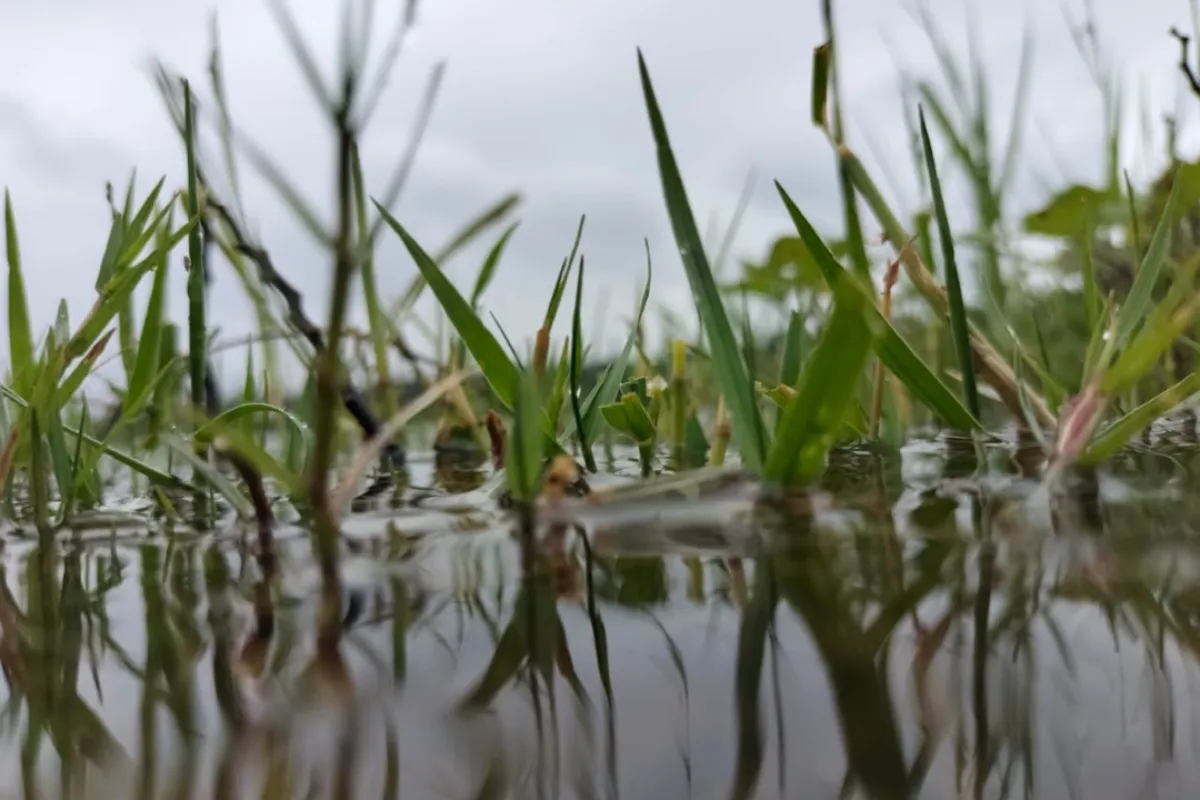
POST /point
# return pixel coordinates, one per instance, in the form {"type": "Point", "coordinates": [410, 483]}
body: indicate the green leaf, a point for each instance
{"type": "Point", "coordinates": [628, 416]}
{"type": "Point", "coordinates": [1113, 437]}
{"type": "Point", "coordinates": [230, 418]}
{"type": "Point", "coordinates": [812, 419]}
{"type": "Point", "coordinates": [1074, 211]}
{"type": "Point", "coordinates": [793, 348]}
{"type": "Point", "coordinates": [728, 364]}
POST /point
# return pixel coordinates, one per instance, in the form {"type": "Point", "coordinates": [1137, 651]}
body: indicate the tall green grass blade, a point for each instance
{"type": "Point", "coordinates": [197, 326]}
{"type": "Point", "coordinates": [728, 364]}
{"type": "Point", "coordinates": [20, 334]}
{"type": "Point", "coordinates": [564, 274]}
{"type": "Point", "coordinates": [576, 368]}
{"type": "Point", "coordinates": [891, 348]}
{"type": "Point", "coordinates": [958, 312]}
{"type": "Point", "coordinates": [499, 371]}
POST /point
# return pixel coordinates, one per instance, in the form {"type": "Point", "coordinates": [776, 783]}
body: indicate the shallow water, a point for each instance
{"type": "Point", "coordinates": [911, 629]}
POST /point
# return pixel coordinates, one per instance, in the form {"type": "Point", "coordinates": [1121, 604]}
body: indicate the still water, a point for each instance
{"type": "Point", "coordinates": [910, 629]}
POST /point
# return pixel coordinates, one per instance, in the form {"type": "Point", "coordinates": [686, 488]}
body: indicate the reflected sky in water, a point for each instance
{"type": "Point", "coordinates": [909, 629]}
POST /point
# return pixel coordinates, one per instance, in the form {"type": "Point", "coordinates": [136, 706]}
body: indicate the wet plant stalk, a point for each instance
{"type": "Point", "coordinates": [721, 435]}
{"type": "Point", "coordinates": [678, 401]}
{"type": "Point", "coordinates": [889, 282]}
{"type": "Point", "coordinates": [327, 365]}
{"type": "Point", "coordinates": [197, 325]}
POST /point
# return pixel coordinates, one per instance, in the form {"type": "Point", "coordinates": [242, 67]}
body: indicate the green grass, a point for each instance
{"type": "Point", "coordinates": [1086, 368]}
{"type": "Point", "coordinates": [780, 401]}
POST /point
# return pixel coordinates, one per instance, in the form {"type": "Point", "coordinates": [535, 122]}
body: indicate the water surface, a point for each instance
{"type": "Point", "coordinates": [916, 627]}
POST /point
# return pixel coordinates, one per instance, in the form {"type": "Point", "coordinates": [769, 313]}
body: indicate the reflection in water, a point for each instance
{"type": "Point", "coordinates": [896, 633]}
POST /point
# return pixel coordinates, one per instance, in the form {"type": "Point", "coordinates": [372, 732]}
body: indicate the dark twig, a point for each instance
{"type": "Point", "coordinates": [393, 454]}
{"type": "Point", "coordinates": [1184, 66]}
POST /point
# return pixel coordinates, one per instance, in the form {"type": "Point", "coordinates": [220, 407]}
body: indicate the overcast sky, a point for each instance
{"type": "Point", "coordinates": [540, 97]}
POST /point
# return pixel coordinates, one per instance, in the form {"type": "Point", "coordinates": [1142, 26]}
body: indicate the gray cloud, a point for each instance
{"type": "Point", "coordinates": [539, 97]}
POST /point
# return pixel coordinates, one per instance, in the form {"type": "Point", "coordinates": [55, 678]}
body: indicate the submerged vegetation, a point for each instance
{"type": "Point", "coordinates": [1062, 382]}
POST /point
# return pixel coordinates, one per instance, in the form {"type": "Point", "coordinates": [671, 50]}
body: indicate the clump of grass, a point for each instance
{"type": "Point", "coordinates": [782, 415]}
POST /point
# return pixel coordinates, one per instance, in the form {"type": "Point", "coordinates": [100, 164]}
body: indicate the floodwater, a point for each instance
{"type": "Point", "coordinates": [914, 628]}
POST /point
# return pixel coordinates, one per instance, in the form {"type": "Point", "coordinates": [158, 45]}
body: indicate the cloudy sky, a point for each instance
{"type": "Point", "coordinates": [539, 97]}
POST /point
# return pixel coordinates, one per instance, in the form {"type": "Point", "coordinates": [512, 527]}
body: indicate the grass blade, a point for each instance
{"type": "Point", "coordinates": [576, 367]}
{"type": "Point", "coordinates": [958, 314]}
{"type": "Point", "coordinates": [1106, 444]}
{"type": "Point", "coordinates": [728, 362]}
{"type": "Point", "coordinates": [812, 418]}
{"type": "Point", "coordinates": [499, 371]}
{"type": "Point", "coordinates": [20, 335]}
{"type": "Point", "coordinates": [891, 348]}
{"type": "Point", "coordinates": [524, 455]}
{"type": "Point", "coordinates": [488, 270]}
{"type": "Point", "coordinates": [1137, 303]}
{"type": "Point", "coordinates": [610, 380]}
{"type": "Point", "coordinates": [789, 371]}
